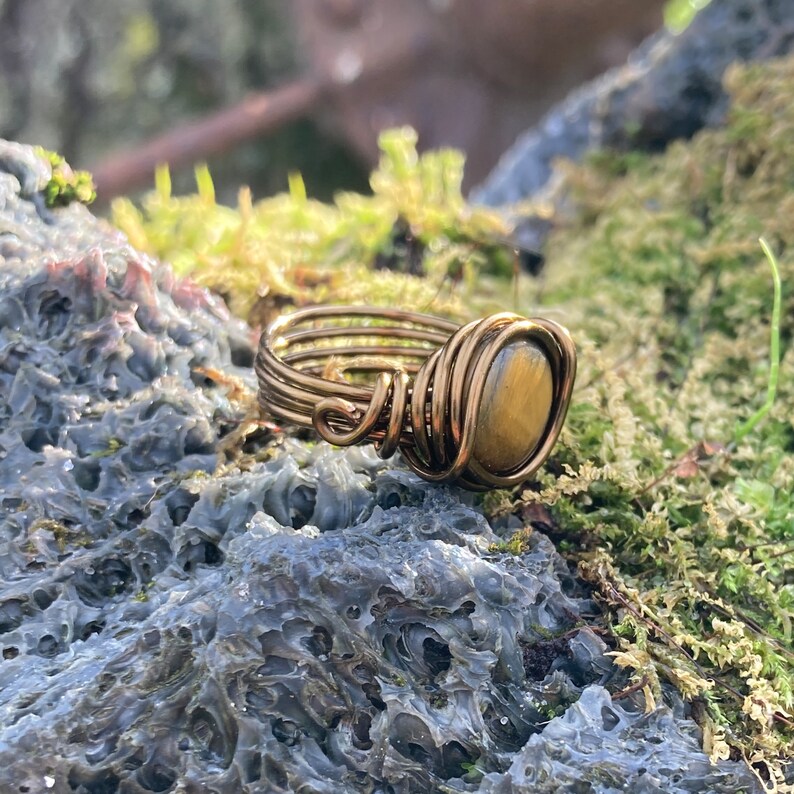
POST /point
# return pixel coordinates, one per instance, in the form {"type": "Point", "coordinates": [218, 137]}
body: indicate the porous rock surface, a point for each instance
{"type": "Point", "coordinates": [317, 622]}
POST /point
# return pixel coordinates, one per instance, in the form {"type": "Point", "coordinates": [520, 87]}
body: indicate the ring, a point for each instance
{"type": "Point", "coordinates": [480, 405]}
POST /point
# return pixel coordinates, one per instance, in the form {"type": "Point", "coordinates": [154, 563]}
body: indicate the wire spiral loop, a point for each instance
{"type": "Point", "coordinates": [409, 381]}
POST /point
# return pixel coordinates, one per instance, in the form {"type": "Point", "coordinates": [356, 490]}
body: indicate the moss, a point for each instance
{"type": "Point", "coordinates": [142, 596]}
{"type": "Point", "coordinates": [687, 524]}
{"type": "Point", "coordinates": [517, 544]}
{"type": "Point", "coordinates": [66, 185]}
{"type": "Point", "coordinates": [679, 13]}
{"type": "Point", "coordinates": [683, 528]}
{"type": "Point", "coordinates": [65, 537]}
{"type": "Point", "coordinates": [114, 445]}
{"type": "Point", "coordinates": [292, 250]}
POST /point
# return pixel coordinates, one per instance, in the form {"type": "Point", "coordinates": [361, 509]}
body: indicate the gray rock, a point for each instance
{"type": "Point", "coordinates": [669, 89]}
{"type": "Point", "coordinates": [579, 752]}
{"type": "Point", "coordinates": [318, 622]}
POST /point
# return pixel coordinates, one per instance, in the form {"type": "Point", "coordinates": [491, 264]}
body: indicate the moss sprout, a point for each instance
{"type": "Point", "coordinates": [516, 545]}
{"type": "Point", "coordinates": [66, 185]}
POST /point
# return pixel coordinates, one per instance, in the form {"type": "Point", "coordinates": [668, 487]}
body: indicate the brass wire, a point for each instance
{"type": "Point", "coordinates": [430, 376]}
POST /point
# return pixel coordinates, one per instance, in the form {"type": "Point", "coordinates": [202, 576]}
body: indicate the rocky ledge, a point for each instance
{"type": "Point", "coordinates": [316, 621]}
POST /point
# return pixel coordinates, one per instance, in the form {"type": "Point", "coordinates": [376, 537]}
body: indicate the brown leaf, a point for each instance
{"type": "Point", "coordinates": [707, 449]}
{"type": "Point", "coordinates": [237, 390]}
{"type": "Point", "coordinates": [686, 468]}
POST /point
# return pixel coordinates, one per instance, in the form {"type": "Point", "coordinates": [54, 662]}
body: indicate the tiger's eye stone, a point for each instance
{"type": "Point", "coordinates": [515, 408]}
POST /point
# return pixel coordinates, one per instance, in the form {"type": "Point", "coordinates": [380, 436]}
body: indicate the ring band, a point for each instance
{"type": "Point", "coordinates": [480, 405]}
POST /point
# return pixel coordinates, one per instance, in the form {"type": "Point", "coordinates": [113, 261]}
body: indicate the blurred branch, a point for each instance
{"type": "Point", "coordinates": [186, 143]}
{"type": "Point", "coordinates": [258, 114]}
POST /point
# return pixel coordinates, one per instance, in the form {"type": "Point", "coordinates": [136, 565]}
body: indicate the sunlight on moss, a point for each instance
{"type": "Point", "coordinates": [291, 249]}
{"type": "Point", "coordinates": [66, 185]}
{"type": "Point", "coordinates": [679, 13]}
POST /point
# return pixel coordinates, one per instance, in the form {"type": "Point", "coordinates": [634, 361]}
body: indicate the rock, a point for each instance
{"type": "Point", "coordinates": [669, 89]}
{"type": "Point", "coordinates": [573, 752]}
{"type": "Point", "coordinates": [316, 621]}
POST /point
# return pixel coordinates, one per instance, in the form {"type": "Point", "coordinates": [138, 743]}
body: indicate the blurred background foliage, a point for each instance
{"type": "Point", "coordinates": [90, 79]}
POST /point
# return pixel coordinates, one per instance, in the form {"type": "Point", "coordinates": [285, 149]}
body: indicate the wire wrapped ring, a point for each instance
{"type": "Point", "coordinates": [481, 405]}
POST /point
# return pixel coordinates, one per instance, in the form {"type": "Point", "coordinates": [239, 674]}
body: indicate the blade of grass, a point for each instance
{"type": "Point", "coordinates": [774, 350]}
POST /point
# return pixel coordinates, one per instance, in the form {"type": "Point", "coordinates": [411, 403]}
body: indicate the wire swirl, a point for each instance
{"type": "Point", "coordinates": [429, 380]}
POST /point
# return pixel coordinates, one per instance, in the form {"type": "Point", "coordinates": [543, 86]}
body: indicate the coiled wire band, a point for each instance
{"type": "Point", "coordinates": [429, 378]}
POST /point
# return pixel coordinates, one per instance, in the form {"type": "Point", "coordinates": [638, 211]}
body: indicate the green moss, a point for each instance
{"type": "Point", "coordinates": [679, 13]}
{"type": "Point", "coordinates": [66, 538]}
{"type": "Point", "coordinates": [291, 249]}
{"type": "Point", "coordinates": [676, 473]}
{"type": "Point", "coordinates": [516, 545]}
{"type": "Point", "coordinates": [114, 445]}
{"type": "Point", "coordinates": [142, 596]}
{"type": "Point", "coordinates": [66, 185]}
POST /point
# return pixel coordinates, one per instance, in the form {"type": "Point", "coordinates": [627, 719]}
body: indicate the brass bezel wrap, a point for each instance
{"type": "Point", "coordinates": [426, 380]}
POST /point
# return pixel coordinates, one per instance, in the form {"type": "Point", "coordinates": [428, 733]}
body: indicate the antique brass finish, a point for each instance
{"type": "Point", "coordinates": [480, 405]}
